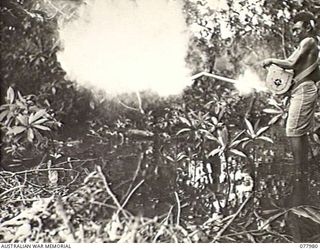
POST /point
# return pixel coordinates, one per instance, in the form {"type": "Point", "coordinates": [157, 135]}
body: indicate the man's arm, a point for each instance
{"type": "Point", "coordinates": [305, 46]}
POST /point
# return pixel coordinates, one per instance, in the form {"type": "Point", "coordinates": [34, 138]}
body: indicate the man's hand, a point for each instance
{"type": "Point", "coordinates": [267, 62]}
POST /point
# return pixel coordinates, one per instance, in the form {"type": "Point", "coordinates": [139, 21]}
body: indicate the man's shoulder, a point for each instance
{"type": "Point", "coordinates": [309, 42]}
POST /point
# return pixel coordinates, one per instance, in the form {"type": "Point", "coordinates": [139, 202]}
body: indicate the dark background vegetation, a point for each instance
{"type": "Point", "coordinates": [205, 166]}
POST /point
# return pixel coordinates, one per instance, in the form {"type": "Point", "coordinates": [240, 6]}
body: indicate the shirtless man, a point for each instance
{"type": "Point", "coordinates": [303, 96]}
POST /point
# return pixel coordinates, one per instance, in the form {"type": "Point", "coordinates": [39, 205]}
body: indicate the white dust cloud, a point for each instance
{"type": "Point", "coordinates": [248, 82]}
{"type": "Point", "coordinates": [124, 46]}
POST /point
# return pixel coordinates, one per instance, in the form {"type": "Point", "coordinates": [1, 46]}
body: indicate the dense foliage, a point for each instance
{"type": "Point", "coordinates": [207, 166]}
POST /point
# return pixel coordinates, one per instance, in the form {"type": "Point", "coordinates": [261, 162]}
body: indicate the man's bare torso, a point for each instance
{"type": "Point", "coordinates": [307, 59]}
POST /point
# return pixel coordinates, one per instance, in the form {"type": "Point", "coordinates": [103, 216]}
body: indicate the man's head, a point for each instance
{"type": "Point", "coordinates": [303, 26]}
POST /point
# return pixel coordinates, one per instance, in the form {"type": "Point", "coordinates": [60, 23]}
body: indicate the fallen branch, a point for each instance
{"type": "Point", "coordinates": [219, 234]}
{"type": "Point", "coordinates": [131, 193]}
{"type": "Point", "coordinates": [140, 109]}
{"type": "Point", "coordinates": [76, 160]}
{"type": "Point", "coordinates": [240, 233]}
{"type": "Point", "coordinates": [46, 169]}
{"type": "Point", "coordinates": [110, 206]}
{"type": "Point", "coordinates": [140, 103]}
{"type": "Point", "coordinates": [262, 228]}
{"type": "Point", "coordinates": [135, 174]}
{"type": "Point", "coordinates": [11, 174]}
{"type": "Point", "coordinates": [139, 133]}
{"type": "Point", "coordinates": [69, 162]}
{"type": "Point", "coordinates": [109, 191]}
{"type": "Point", "coordinates": [21, 200]}
{"type": "Point", "coordinates": [74, 179]}
{"type": "Point", "coordinates": [128, 107]}
{"type": "Point", "coordinates": [168, 215]}
{"type": "Point", "coordinates": [285, 237]}
{"type": "Point", "coordinates": [11, 189]}
{"type": "Point", "coordinates": [273, 218]}
{"type": "Point", "coordinates": [179, 208]}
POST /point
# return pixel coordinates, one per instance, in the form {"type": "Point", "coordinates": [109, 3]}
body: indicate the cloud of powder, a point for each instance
{"type": "Point", "coordinates": [249, 82]}
{"type": "Point", "coordinates": [124, 46]}
{"type": "Point", "coordinates": [253, 74]}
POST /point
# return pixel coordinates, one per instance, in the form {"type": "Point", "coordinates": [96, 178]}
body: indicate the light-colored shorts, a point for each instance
{"type": "Point", "coordinates": [300, 119]}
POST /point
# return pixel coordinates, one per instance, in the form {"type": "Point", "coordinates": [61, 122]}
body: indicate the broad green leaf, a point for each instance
{"type": "Point", "coordinates": [16, 130]}
{"type": "Point", "coordinates": [314, 213]}
{"type": "Point", "coordinates": [185, 121]}
{"type": "Point", "coordinates": [311, 213]}
{"type": "Point", "coordinates": [220, 141]}
{"type": "Point", "coordinates": [212, 128]}
{"type": "Point", "coordinates": [214, 152]}
{"type": "Point", "coordinates": [23, 119]}
{"type": "Point", "coordinates": [41, 127]}
{"type": "Point", "coordinates": [169, 158]}
{"type": "Point", "coordinates": [221, 113]}
{"type": "Point", "coordinates": [223, 136]}
{"type": "Point", "coordinates": [40, 121]}
{"type": "Point", "coordinates": [37, 134]}
{"type": "Point", "coordinates": [4, 106]}
{"type": "Point", "coordinates": [316, 138]}
{"type": "Point", "coordinates": [262, 130]}
{"type": "Point", "coordinates": [30, 135]}
{"type": "Point", "coordinates": [204, 131]}
{"type": "Point", "coordinates": [30, 118]}
{"type": "Point", "coordinates": [256, 125]}
{"type": "Point", "coordinates": [249, 126]}
{"type": "Point", "coordinates": [205, 116]}
{"type": "Point", "coordinates": [3, 114]}
{"type": "Point", "coordinates": [21, 104]}
{"type": "Point", "coordinates": [21, 97]}
{"type": "Point", "coordinates": [180, 157]}
{"type": "Point", "coordinates": [10, 95]}
{"type": "Point", "coordinates": [245, 143]}
{"type": "Point", "coordinates": [39, 114]}
{"type": "Point", "coordinates": [214, 120]}
{"type": "Point", "coordinates": [273, 102]}
{"type": "Point", "coordinates": [212, 137]}
{"type": "Point", "coordinates": [183, 131]}
{"type": "Point", "coordinates": [265, 138]}
{"type": "Point", "coordinates": [47, 103]}
{"type": "Point", "coordinates": [272, 111]}
{"type": "Point", "coordinates": [237, 142]}
{"type": "Point", "coordinates": [274, 119]}
{"type": "Point", "coordinates": [269, 211]}
{"type": "Point", "coordinates": [238, 135]}
{"type": "Point", "coordinates": [217, 109]}
{"type": "Point", "coordinates": [207, 105]}
{"type": "Point", "coordinates": [237, 152]}
{"type": "Point", "coordinates": [9, 120]}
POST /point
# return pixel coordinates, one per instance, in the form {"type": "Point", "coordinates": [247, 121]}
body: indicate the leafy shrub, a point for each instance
{"type": "Point", "coordinates": [24, 123]}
